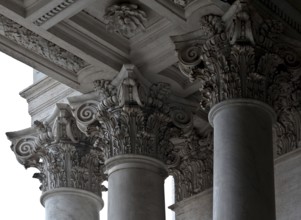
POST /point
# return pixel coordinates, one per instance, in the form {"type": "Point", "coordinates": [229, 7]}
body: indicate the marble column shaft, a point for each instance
{"type": "Point", "coordinates": [136, 188]}
{"type": "Point", "coordinates": [70, 203]}
{"type": "Point", "coordinates": [243, 161]}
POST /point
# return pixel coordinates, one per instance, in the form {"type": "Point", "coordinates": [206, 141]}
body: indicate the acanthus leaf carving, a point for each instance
{"type": "Point", "coordinates": [136, 119]}
{"type": "Point", "coordinates": [64, 156]}
{"type": "Point", "coordinates": [246, 57]}
{"type": "Point", "coordinates": [191, 164]}
{"type": "Point", "coordinates": [125, 19]}
{"type": "Point", "coordinates": [139, 119]}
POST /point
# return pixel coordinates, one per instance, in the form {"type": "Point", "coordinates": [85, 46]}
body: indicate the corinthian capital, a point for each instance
{"type": "Point", "coordinates": [64, 156]}
{"type": "Point", "coordinates": [236, 55]}
{"type": "Point", "coordinates": [244, 54]}
{"type": "Point", "coordinates": [190, 162]}
{"type": "Point", "coordinates": [134, 118]}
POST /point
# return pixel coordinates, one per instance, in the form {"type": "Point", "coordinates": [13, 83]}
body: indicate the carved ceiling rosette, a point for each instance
{"type": "Point", "coordinates": [182, 3]}
{"type": "Point", "coordinates": [243, 55]}
{"type": "Point", "coordinates": [125, 19]}
{"type": "Point", "coordinates": [64, 156]}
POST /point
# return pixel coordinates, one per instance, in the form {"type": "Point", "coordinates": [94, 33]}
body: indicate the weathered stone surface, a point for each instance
{"type": "Point", "coordinates": [136, 188]}
{"type": "Point", "coordinates": [43, 95]}
{"type": "Point", "coordinates": [64, 156]}
{"type": "Point", "coordinates": [125, 19]}
{"type": "Point", "coordinates": [288, 185]}
{"type": "Point", "coordinates": [244, 55]}
{"type": "Point", "coordinates": [195, 207]}
{"type": "Point", "coordinates": [71, 203]}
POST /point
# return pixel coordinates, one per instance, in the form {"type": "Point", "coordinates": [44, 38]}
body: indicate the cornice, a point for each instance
{"type": "Point", "coordinates": [280, 9]}
{"type": "Point", "coordinates": [53, 12]}
{"type": "Point", "coordinates": [96, 29]}
{"type": "Point", "coordinates": [95, 52]}
{"type": "Point", "coordinates": [37, 89]}
{"type": "Point", "coordinates": [35, 43]}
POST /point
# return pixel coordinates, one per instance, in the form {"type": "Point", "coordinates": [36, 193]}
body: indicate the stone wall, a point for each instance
{"type": "Point", "coordinates": [288, 186]}
{"type": "Point", "coordinates": [198, 207]}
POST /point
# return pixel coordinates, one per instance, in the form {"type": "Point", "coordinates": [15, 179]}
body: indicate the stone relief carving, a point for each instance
{"type": "Point", "coordinates": [182, 3]}
{"type": "Point", "coordinates": [53, 12]}
{"type": "Point", "coordinates": [123, 116]}
{"type": "Point", "coordinates": [33, 42]}
{"type": "Point", "coordinates": [190, 162]}
{"type": "Point", "coordinates": [131, 121]}
{"type": "Point", "coordinates": [64, 156]}
{"type": "Point", "coordinates": [241, 55]}
{"type": "Point", "coordinates": [284, 16]}
{"type": "Point", "coordinates": [125, 19]}
{"type": "Point", "coordinates": [130, 117]}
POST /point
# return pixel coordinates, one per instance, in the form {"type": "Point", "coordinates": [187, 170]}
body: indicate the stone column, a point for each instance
{"type": "Point", "coordinates": [70, 203]}
{"type": "Point", "coordinates": [136, 188]}
{"type": "Point", "coordinates": [243, 160]}
{"type": "Point", "coordinates": [242, 68]}
{"type": "Point", "coordinates": [132, 123]}
{"type": "Point", "coordinates": [71, 170]}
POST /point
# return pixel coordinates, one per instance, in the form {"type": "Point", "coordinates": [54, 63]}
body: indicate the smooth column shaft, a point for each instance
{"type": "Point", "coordinates": [136, 188]}
{"type": "Point", "coordinates": [243, 161]}
{"type": "Point", "coordinates": [71, 204]}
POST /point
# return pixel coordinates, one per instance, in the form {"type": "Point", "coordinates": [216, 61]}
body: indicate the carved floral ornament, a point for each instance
{"type": "Point", "coordinates": [125, 19]}
{"type": "Point", "coordinates": [133, 117]}
{"type": "Point", "coordinates": [38, 45]}
{"type": "Point", "coordinates": [182, 3]}
{"type": "Point", "coordinates": [127, 115]}
{"type": "Point", "coordinates": [64, 156]}
{"type": "Point", "coordinates": [190, 162]}
{"type": "Point", "coordinates": [242, 55]}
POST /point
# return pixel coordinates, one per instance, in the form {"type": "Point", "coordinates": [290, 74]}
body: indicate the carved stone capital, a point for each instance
{"type": "Point", "coordinates": [190, 162]}
{"type": "Point", "coordinates": [235, 56]}
{"type": "Point", "coordinates": [244, 55]}
{"type": "Point", "coordinates": [129, 115]}
{"type": "Point", "coordinates": [125, 19]}
{"type": "Point", "coordinates": [64, 155]}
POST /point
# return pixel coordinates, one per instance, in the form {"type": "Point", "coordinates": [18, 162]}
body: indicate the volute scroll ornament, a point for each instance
{"type": "Point", "coordinates": [139, 118]}
{"type": "Point", "coordinates": [245, 55]}
{"type": "Point", "coordinates": [64, 156]}
{"type": "Point", "coordinates": [134, 119]}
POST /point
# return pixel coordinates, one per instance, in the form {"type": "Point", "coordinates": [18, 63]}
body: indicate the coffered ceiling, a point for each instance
{"type": "Point", "coordinates": [78, 41]}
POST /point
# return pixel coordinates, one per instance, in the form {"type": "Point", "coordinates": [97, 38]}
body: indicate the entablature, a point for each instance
{"type": "Point", "coordinates": [65, 39]}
